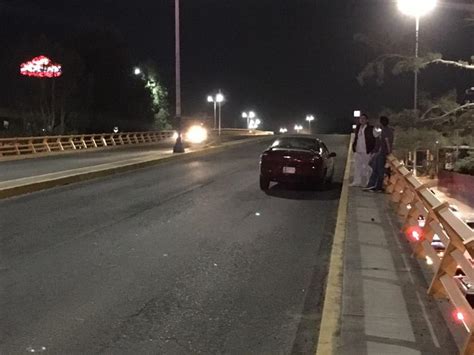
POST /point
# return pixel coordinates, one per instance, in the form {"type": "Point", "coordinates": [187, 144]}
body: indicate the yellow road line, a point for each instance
{"type": "Point", "coordinates": [330, 321]}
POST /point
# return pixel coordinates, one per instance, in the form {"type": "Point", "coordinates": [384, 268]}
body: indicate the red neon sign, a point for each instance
{"type": "Point", "coordinates": [41, 67]}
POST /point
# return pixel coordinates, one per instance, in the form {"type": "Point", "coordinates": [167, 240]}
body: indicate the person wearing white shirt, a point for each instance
{"type": "Point", "coordinates": [364, 144]}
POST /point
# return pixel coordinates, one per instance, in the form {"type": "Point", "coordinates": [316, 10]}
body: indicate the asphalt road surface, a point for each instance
{"type": "Point", "coordinates": [17, 169]}
{"type": "Point", "coordinates": [186, 257]}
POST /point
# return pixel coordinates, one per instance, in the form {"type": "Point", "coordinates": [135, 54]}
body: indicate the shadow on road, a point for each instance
{"type": "Point", "coordinates": [302, 192]}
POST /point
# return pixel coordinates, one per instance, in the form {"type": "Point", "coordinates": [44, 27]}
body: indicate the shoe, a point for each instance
{"type": "Point", "coordinates": [377, 190]}
{"type": "Point", "coordinates": [369, 188]}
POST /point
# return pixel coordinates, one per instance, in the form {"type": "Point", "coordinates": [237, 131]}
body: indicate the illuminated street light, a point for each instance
{"type": "Point", "coordinates": [309, 118]}
{"type": "Point", "coordinates": [254, 124]}
{"type": "Point", "coordinates": [298, 128]}
{"type": "Point", "coordinates": [417, 9]}
{"type": "Point", "coordinates": [283, 130]}
{"type": "Point", "coordinates": [217, 100]}
{"type": "Point", "coordinates": [357, 113]}
{"type": "Point", "coordinates": [137, 71]}
{"type": "Point", "coordinates": [212, 99]}
{"type": "Point", "coordinates": [249, 116]}
{"type": "Point", "coordinates": [220, 98]}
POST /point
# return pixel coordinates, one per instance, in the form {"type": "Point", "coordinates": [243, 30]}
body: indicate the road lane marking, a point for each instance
{"type": "Point", "coordinates": [330, 321]}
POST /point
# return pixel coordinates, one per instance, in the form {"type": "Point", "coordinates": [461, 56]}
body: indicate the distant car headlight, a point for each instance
{"type": "Point", "coordinates": [196, 134]}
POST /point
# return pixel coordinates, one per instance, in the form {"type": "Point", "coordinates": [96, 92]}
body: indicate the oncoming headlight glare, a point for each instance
{"type": "Point", "coordinates": [196, 134]}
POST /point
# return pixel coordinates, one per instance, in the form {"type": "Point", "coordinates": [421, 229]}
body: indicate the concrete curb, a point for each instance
{"type": "Point", "coordinates": [22, 189]}
{"type": "Point", "coordinates": [330, 320]}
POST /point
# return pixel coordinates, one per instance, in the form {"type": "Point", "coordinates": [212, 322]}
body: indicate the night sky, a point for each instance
{"type": "Point", "coordinates": [282, 58]}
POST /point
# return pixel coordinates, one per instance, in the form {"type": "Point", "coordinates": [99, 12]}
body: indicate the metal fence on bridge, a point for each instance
{"type": "Point", "coordinates": [25, 146]}
{"type": "Point", "coordinates": [440, 237]}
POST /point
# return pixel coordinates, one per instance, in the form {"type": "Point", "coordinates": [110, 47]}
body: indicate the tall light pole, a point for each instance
{"type": "Point", "coordinates": [212, 99]}
{"type": "Point", "coordinates": [220, 99]}
{"type": "Point", "coordinates": [417, 9]}
{"type": "Point", "coordinates": [178, 146]}
{"type": "Point", "coordinates": [309, 118]}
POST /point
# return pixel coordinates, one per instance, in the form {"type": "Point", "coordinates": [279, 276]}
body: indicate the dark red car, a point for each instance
{"type": "Point", "coordinates": [299, 158]}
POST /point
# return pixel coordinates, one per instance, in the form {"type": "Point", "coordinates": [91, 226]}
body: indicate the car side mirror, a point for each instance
{"type": "Point", "coordinates": [332, 155]}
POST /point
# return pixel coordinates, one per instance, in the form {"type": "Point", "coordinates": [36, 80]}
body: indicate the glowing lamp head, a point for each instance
{"type": "Point", "coordinates": [459, 316]}
{"type": "Point", "coordinates": [416, 8]}
{"type": "Point", "coordinates": [244, 115]}
{"type": "Point", "coordinates": [219, 97]}
{"type": "Point", "coordinates": [210, 99]}
{"type": "Point", "coordinates": [137, 71]}
{"type": "Point", "coordinates": [251, 114]}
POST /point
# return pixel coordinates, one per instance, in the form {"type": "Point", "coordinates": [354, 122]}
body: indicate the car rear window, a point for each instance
{"type": "Point", "coordinates": [297, 143]}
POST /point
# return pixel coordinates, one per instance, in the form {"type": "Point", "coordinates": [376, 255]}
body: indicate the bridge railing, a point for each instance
{"type": "Point", "coordinates": [23, 146]}
{"type": "Point", "coordinates": [50, 144]}
{"type": "Point", "coordinates": [441, 238]}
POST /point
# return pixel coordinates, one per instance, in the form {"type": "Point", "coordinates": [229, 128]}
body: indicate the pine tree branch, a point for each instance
{"type": "Point", "coordinates": [459, 64]}
{"type": "Point", "coordinates": [447, 114]}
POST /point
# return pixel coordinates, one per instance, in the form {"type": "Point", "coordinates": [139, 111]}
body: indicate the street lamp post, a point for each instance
{"type": "Point", "coordinates": [220, 99]}
{"type": "Point", "coordinates": [309, 118]}
{"type": "Point", "coordinates": [217, 100]}
{"type": "Point", "coordinates": [178, 146]}
{"type": "Point", "coordinates": [211, 98]}
{"type": "Point", "coordinates": [417, 9]}
{"type": "Point", "coordinates": [298, 128]}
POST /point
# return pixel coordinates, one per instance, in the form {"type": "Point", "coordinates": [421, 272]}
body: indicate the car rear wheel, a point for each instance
{"type": "Point", "coordinates": [264, 183]}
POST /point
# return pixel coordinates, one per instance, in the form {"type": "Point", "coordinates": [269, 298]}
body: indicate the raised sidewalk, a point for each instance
{"type": "Point", "coordinates": [385, 307]}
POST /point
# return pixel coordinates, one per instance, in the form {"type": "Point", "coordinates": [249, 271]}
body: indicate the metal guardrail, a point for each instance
{"type": "Point", "coordinates": [441, 238]}
{"type": "Point", "coordinates": [50, 144]}
{"type": "Point", "coordinates": [23, 146]}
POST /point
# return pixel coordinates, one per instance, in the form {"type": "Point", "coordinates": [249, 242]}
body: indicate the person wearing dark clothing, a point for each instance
{"type": "Point", "coordinates": [383, 148]}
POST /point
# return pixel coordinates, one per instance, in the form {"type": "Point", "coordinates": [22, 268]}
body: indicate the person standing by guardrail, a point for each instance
{"type": "Point", "coordinates": [363, 146]}
{"type": "Point", "coordinates": [383, 148]}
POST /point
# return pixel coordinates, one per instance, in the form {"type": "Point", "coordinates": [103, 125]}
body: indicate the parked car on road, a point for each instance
{"type": "Point", "coordinates": [296, 159]}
